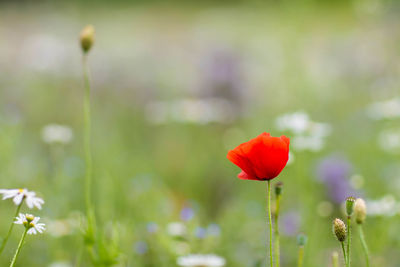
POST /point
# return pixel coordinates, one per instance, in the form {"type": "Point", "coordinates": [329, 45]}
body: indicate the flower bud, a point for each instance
{"type": "Point", "coordinates": [339, 229]}
{"type": "Point", "coordinates": [87, 38]}
{"type": "Point", "coordinates": [350, 205]}
{"type": "Point", "coordinates": [278, 188]}
{"type": "Point", "coordinates": [360, 210]}
{"type": "Point", "coordinates": [301, 240]}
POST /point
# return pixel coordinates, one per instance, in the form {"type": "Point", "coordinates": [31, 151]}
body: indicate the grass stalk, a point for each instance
{"type": "Point", "coordinates": [344, 254]}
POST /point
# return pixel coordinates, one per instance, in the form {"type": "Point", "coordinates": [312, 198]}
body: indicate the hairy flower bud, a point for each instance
{"type": "Point", "coordinates": [360, 210]}
{"type": "Point", "coordinates": [278, 188]}
{"type": "Point", "coordinates": [339, 229]}
{"type": "Point", "coordinates": [350, 205]}
{"type": "Point", "coordinates": [87, 38]}
{"type": "Point", "coordinates": [301, 240]}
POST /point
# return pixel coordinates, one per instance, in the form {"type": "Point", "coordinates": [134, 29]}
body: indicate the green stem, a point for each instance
{"type": "Point", "coordinates": [87, 136]}
{"type": "Point", "coordinates": [349, 241]}
{"type": "Point", "coordinates": [364, 244]}
{"type": "Point", "coordinates": [301, 256]}
{"type": "Point", "coordinates": [276, 226]}
{"type": "Point", "coordinates": [270, 223]}
{"type": "Point", "coordinates": [344, 254]}
{"type": "Point", "coordinates": [3, 244]}
{"type": "Point", "coordinates": [90, 214]}
{"type": "Point", "coordinates": [21, 242]}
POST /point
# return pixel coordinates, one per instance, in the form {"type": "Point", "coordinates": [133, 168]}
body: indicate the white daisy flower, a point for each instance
{"type": "Point", "coordinates": [297, 122]}
{"type": "Point", "coordinates": [31, 223]}
{"type": "Point", "coordinates": [19, 195]}
{"type": "Point", "coordinates": [55, 133]}
{"type": "Point", "coordinates": [176, 229]}
{"type": "Point", "coordinates": [389, 109]}
{"type": "Point", "coordinates": [201, 260]}
{"type": "Point", "coordinates": [308, 134]}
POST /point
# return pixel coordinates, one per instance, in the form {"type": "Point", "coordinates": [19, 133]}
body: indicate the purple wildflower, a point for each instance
{"type": "Point", "coordinates": [290, 223]}
{"type": "Point", "coordinates": [187, 214]}
{"type": "Point", "coordinates": [200, 232]}
{"type": "Point", "coordinates": [334, 172]}
{"type": "Point", "coordinates": [141, 247]}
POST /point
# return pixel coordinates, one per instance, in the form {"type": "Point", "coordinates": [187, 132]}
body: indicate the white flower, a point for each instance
{"type": "Point", "coordinates": [19, 195]}
{"type": "Point", "coordinates": [60, 264]}
{"type": "Point", "coordinates": [55, 133]}
{"type": "Point", "coordinates": [31, 223]}
{"type": "Point", "coordinates": [297, 122]}
{"type": "Point", "coordinates": [308, 134]}
{"type": "Point", "coordinates": [389, 140]}
{"type": "Point", "coordinates": [389, 109]}
{"type": "Point", "coordinates": [311, 143]}
{"type": "Point", "coordinates": [201, 260]}
{"type": "Point", "coordinates": [386, 206]}
{"type": "Point", "coordinates": [176, 229]}
{"type": "Point", "coordinates": [187, 110]}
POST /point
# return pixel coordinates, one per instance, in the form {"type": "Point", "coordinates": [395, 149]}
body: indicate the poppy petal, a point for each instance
{"type": "Point", "coordinates": [245, 176]}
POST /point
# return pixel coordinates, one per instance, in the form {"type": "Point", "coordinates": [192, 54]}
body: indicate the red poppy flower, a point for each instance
{"type": "Point", "coordinates": [261, 158]}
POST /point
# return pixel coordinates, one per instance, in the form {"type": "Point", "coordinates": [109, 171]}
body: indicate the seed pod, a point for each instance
{"type": "Point", "coordinates": [350, 205]}
{"type": "Point", "coordinates": [278, 188]}
{"type": "Point", "coordinates": [301, 240]}
{"type": "Point", "coordinates": [360, 210]}
{"type": "Point", "coordinates": [339, 229]}
{"type": "Point", "coordinates": [87, 38]}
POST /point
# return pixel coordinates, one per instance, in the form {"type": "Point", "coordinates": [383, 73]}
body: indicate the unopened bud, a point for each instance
{"type": "Point", "coordinates": [350, 205]}
{"type": "Point", "coordinates": [360, 210]}
{"type": "Point", "coordinates": [87, 38]}
{"type": "Point", "coordinates": [339, 229]}
{"type": "Point", "coordinates": [278, 188]}
{"type": "Point", "coordinates": [301, 240]}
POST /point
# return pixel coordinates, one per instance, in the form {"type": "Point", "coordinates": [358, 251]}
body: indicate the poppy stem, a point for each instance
{"type": "Point", "coordinates": [301, 256]}
{"type": "Point", "coordinates": [3, 244]}
{"type": "Point", "coordinates": [270, 223]}
{"type": "Point", "coordinates": [21, 242]}
{"type": "Point", "coordinates": [276, 226]}
{"type": "Point", "coordinates": [348, 240]}
{"type": "Point", "coordinates": [364, 244]}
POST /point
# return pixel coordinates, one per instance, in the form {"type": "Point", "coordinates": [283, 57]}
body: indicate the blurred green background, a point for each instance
{"type": "Point", "coordinates": [176, 84]}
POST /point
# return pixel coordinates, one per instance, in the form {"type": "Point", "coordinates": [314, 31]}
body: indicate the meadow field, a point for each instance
{"type": "Point", "coordinates": [174, 87]}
